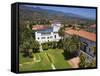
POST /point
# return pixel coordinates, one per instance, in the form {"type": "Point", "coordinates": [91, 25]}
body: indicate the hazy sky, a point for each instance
{"type": "Point", "coordinates": [86, 12]}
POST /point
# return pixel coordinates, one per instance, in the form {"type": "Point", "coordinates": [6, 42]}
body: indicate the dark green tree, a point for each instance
{"type": "Point", "coordinates": [60, 44]}
{"type": "Point", "coordinates": [54, 44]}
{"type": "Point", "coordinates": [93, 63]}
{"type": "Point", "coordinates": [94, 50]}
{"type": "Point", "coordinates": [82, 63]}
{"type": "Point", "coordinates": [71, 46]}
{"type": "Point", "coordinates": [45, 46]}
{"type": "Point", "coordinates": [28, 42]}
{"type": "Point", "coordinates": [61, 32]}
{"type": "Point", "coordinates": [35, 46]}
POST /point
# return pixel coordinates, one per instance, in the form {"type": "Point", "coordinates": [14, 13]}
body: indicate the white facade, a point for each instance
{"type": "Point", "coordinates": [56, 27]}
{"type": "Point", "coordinates": [49, 34]}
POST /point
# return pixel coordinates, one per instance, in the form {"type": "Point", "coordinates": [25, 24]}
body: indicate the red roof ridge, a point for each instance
{"type": "Point", "coordinates": [82, 33]}
{"type": "Point", "coordinates": [39, 27]}
{"type": "Point", "coordinates": [93, 26]}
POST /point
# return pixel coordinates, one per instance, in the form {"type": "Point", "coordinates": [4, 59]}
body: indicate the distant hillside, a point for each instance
{"type": "Point", "coordinates": [36, 13]}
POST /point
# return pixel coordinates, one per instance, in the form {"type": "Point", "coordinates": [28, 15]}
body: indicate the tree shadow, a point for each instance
{"type": "Point", "coordinates": [68, 55]}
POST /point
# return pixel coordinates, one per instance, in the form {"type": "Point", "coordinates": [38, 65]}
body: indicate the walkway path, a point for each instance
{"type": "Point", "coordinates": [53, 67]}
{"type": "Point", "coordinates": [74, 62]}
{"type": "Point", "coordinates": [41, 47]}
{"type": "Point", "coordinates": [34, 60]}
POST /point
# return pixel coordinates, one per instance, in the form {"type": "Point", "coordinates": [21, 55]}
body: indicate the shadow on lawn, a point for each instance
{"type": "Point", "coordinates": [68, 55]}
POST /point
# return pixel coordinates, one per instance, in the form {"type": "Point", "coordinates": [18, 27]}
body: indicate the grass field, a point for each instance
{"type": "Point", "coordinates": [56, 57]}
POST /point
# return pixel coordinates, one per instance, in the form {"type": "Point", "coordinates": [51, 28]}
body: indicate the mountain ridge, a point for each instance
{"type": "Point", "coordinates": [39, 13]}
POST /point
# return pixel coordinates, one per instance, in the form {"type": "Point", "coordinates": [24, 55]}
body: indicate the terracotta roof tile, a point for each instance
{"type": "Point", "coordinates": [82, 33]}
{"type": "Point", "coordinates": [93, 26]}
{"type": "Point", "coordinates": [39, 27]}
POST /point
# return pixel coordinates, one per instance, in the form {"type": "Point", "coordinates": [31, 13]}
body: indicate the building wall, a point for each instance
{"type": "Point", "coordinates": [45, 38]}
{"type": "Point", "coordinates": [42, 38]}
{"type": "Point", "coordinates": [56, 27]}
{"type": "Point", "coordinates": [89, 50]}
{"type": "Point", "coordinates": [89, 45]}
{"type": "Point", "coordinates": [52, 36]}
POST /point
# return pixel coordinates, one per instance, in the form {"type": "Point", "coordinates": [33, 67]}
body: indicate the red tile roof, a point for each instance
{"type": "Point", "coordinates": [39, 27]}
{"type": "Point", "coordinates": [82, 33]}
{"type": "Point", "coordinates": [93, 26]}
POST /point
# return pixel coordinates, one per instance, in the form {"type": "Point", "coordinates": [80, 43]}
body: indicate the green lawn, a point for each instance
{"type": "Point", "coordinates": [22, 59]}
{"type": "Point", "coordinates": [55, 56]}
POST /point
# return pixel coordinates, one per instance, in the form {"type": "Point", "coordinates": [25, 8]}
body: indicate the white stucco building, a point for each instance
{"type": "Point", "coordinates": [45, 33]}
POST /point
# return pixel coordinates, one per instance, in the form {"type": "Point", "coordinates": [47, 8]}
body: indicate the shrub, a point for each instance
{"type": "Point", "coordinates": [50, 44]}
{"type": "Point", "coordinates": [54, 45]}
{"type": "Point", "coordinates": [60, 44]}
{"type": "Point", "coordinates": [45, 46]}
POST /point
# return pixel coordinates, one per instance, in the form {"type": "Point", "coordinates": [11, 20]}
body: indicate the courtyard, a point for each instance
{"type": "Point", "coordinates": [50, 59]}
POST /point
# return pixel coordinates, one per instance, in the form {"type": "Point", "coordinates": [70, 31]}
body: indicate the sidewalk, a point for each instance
{"type": "Point", "coordinates": [74, 62]}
